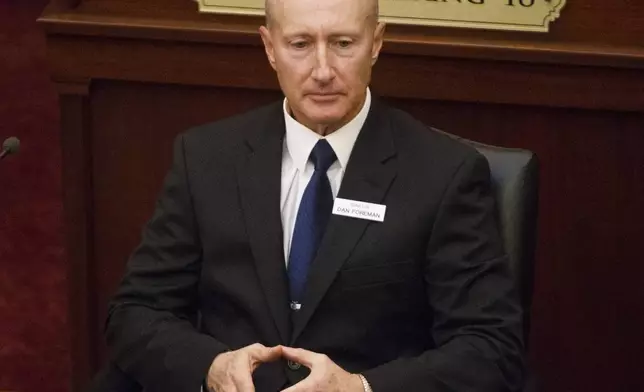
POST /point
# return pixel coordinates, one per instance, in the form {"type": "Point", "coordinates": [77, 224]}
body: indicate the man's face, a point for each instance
{"type": "Point", "coordinates": [322, 52]}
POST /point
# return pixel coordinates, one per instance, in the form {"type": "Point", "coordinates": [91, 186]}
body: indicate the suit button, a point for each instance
{"type": "Point", "coordinates": [293, 365]}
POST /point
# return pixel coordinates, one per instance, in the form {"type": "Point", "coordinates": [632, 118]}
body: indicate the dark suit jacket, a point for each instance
{"type": "Point", "coordinates": [420, 302]}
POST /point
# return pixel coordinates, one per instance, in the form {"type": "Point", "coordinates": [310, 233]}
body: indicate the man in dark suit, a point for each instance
{"type": "Point", "coordinates": [324, 243]}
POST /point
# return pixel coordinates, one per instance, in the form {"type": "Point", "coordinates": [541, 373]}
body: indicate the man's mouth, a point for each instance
{"type": "Point", "coordinates": [324, 97]}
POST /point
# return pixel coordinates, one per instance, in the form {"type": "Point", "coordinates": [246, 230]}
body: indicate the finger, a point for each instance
{"type": "Point", "coordinates": [244, 382]}
{"type": "Point", "coordinates": [299, 355]}
{"type": "Point", "coordinates": [255, 347]}
{"type": "Point", "coordinates": [243, 386]}
{"type": "Point", "coordinates": [265, 354]}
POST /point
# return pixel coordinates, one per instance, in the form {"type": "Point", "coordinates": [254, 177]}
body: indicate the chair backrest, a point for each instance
{"type": "Point", "coordinates": [515, 177]}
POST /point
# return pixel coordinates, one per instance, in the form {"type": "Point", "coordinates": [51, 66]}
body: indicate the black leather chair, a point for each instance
{"type": "Point", "coordinates": [515, 176]}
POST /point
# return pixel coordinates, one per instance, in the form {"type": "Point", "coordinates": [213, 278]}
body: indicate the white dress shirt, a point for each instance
{"type": "Point", "coordinates": [297, 170]}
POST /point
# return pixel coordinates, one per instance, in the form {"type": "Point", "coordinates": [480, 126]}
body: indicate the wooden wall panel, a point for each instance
{"type": "Point", "coordinates": [587, 304]}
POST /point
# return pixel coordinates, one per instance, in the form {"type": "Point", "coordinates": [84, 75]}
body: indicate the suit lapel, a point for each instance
{"type": "Point", "coordinates": [368, 177]}
{"type": "Point", "coordinates": [259, 175]}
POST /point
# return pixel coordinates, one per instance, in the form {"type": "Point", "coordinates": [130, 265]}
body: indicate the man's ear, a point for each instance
{"type": "Point", "coordinates": [268, 45]}
{"type": "Point", "coordinates": [378, 39]}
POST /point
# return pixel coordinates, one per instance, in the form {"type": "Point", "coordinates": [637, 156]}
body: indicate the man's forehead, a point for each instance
{"type": "Point", "coordinates": [294, 13]}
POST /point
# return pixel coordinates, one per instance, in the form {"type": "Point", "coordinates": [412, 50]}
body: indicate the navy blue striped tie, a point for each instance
{"type": "Point", "coordinates": [312, 218]}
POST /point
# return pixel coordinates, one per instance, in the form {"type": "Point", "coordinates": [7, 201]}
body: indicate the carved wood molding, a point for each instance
{"type": "Point", "coordinates": [78, 213]}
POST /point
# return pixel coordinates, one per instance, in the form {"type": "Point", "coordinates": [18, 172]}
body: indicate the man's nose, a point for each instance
{"type": "Point", "coordinates": [323, 71]}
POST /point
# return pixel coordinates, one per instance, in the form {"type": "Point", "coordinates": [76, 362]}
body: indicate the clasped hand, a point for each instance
{"type": "Point", "coordinates": [232, 371]}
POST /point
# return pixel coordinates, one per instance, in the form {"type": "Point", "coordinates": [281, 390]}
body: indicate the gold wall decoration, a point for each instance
{"type": "Point", "coordinates": [516, 15]}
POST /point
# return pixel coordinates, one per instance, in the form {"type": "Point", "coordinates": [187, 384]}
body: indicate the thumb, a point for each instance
{"type": "Point", "coordinates": [266, 354]}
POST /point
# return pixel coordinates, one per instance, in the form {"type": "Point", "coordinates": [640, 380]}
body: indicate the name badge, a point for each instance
{"type": "Point", "coordinates": [359, 209]}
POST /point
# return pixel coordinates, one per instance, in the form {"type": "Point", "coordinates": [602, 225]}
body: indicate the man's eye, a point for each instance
{"type": "Point", "coordinates": [299, 44]}
{"type": "Point", "coordinates": [344, 43]}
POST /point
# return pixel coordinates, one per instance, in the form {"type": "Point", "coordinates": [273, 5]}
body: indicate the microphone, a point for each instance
{"type": "Point", "coordinates": [10, 146]}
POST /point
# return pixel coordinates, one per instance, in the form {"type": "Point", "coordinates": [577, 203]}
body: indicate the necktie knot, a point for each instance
{"type": "Point", "coordinates": [322, 156]}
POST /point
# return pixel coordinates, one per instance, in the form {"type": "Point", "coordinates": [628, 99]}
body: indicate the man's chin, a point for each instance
{"type": "Point", "coordinates": [325, 119]}
{"type": "Point", "coordinates": [325, 114]}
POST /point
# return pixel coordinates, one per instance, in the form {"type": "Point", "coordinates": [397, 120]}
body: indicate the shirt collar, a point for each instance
{"type": "Point", "coordinates": [300, 140]}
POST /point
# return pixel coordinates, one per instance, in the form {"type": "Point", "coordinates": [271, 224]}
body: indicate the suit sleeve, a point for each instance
{"type": "Point", "coordinates": [477, 316]}
{"type": "Point", "coordinates": [150, 329]}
